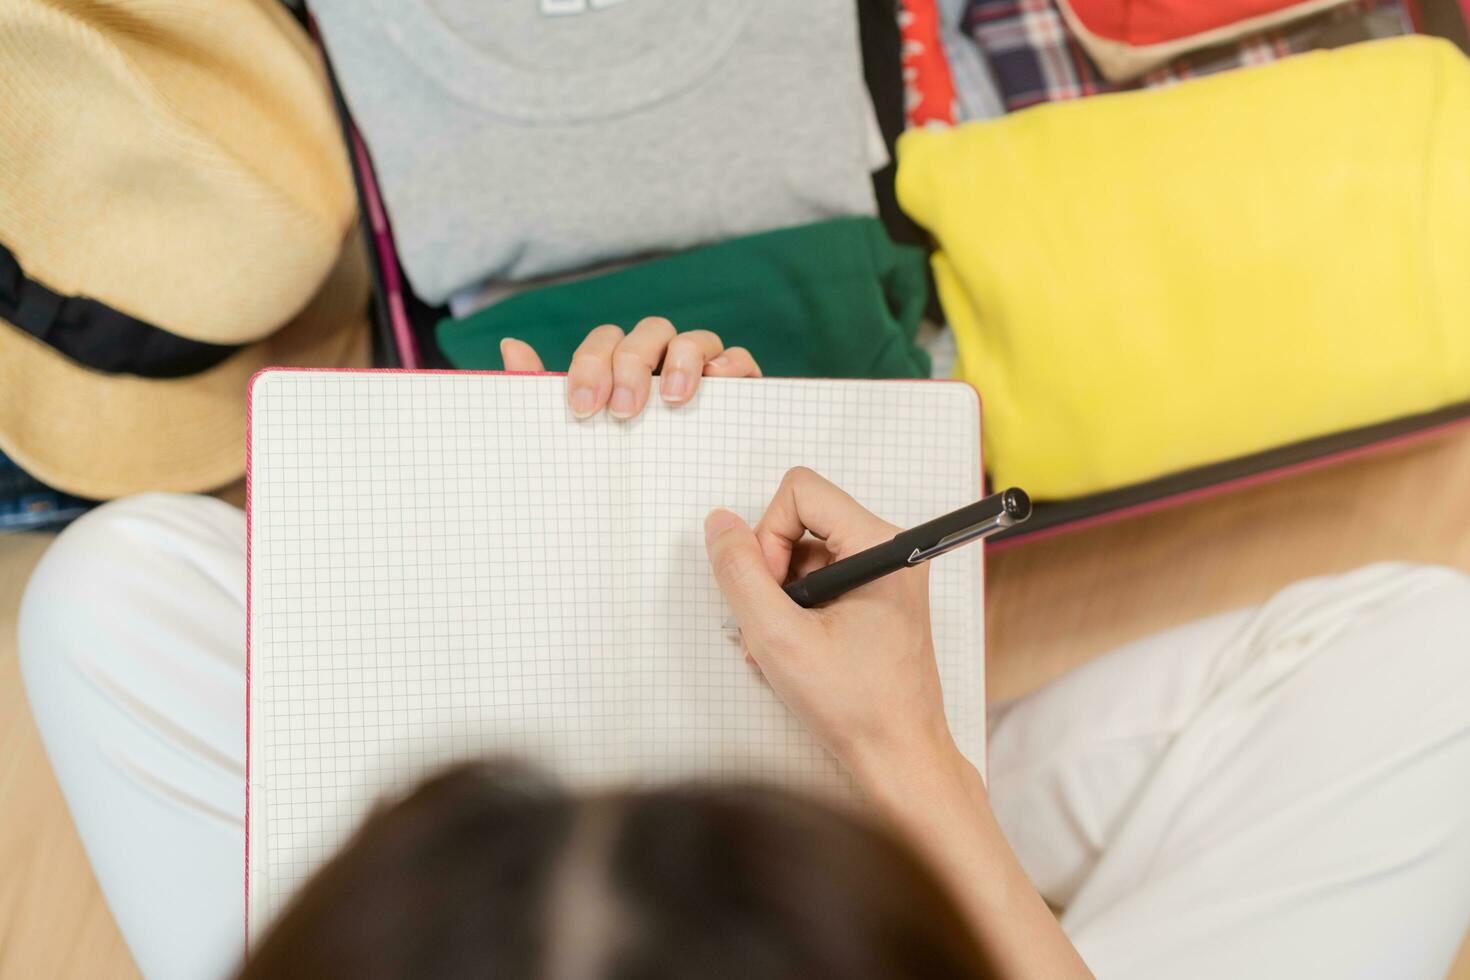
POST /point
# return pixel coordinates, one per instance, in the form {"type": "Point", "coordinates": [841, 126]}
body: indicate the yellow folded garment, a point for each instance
{"type": "Point", "coordinates": [1145, 282]}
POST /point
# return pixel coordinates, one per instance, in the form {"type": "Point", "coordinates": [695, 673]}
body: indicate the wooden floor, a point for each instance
{"type": "Point", "coordinates": [1057, 602]}
{"type": "Point", "coordinates": [1051, 605]}
{"type": "Point", "coordinates": [53, 922]}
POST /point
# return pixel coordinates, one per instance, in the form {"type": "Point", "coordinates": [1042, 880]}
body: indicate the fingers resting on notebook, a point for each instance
{"type": "Point", "coordinates": [859, 672]}
{"type": "Point", "coordinates": [615, 371]}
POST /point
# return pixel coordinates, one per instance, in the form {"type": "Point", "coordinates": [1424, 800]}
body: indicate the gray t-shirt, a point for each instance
{"type": "Point", "coordinates": [512, 143]}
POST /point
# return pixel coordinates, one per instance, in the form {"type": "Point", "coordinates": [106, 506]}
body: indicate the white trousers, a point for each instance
{"type": "Point", "coordinates": [1282, 791]}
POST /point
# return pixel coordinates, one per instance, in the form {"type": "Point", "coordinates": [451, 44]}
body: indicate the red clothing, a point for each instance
{"type": "Point", "coordinates": [929, 95]}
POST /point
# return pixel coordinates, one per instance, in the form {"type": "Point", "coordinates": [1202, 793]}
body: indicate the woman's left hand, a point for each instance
{"type": "Point", "coordinates": [616, 370]}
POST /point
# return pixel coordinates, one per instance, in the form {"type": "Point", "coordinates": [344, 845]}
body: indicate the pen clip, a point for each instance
{"type": "Point", "coordinates": [950, 542]}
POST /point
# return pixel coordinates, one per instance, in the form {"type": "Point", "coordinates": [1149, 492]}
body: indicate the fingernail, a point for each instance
{"type": "Point", "coordinates": [718, 522]}
{"type": "Point", "coordinates": [583, 401]}
{"type": "Point", "coordinates": [622, 402]}
{"type": "Point", "coordinates": [719, 361]}
{"type": "Point", "coordinates": [674, 387]}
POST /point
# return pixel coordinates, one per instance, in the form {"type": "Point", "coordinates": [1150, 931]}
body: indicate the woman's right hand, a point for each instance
{"type": "Point", "coordinates": [859, 672]}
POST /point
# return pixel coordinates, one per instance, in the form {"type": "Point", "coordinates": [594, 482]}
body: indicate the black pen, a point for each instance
{"type": "Point", "coordinates": [909, 548]}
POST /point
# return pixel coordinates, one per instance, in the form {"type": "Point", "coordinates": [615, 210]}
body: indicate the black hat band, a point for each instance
{"type": "Point", "coordinates": [97, 336]}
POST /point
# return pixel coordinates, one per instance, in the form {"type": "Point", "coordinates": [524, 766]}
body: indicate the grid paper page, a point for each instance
{"type": "Point", "coordinates": [449, 565]}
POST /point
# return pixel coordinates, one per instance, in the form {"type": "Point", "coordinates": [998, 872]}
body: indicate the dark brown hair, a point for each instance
{"type": "Point", "coordinates": [492, 871]}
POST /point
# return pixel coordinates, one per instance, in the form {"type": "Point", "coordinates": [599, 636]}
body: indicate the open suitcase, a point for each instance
{"type": "Point", "coordinates": [404, 338]}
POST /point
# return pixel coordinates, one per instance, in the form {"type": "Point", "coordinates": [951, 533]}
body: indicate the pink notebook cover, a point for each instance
{"type": "Point", "coordinates": [249, 566]}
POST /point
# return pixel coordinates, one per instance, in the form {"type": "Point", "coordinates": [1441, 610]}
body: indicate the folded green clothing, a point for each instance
{"type": "Point", "coordinates": [835, 299]}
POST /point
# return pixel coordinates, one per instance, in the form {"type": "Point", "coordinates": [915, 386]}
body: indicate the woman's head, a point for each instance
{"type": "Point", "coordinates": [490, 871]}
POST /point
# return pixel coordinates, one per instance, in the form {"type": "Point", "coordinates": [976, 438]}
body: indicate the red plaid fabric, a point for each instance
{"type": "Point", "coordinates": [1035, 59]}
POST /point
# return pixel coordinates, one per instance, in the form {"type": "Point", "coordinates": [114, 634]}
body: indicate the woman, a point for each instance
{"type": "Point", "coordinates": [1276, 792]}
{"type": "Point", "coordinates": [490, 871]}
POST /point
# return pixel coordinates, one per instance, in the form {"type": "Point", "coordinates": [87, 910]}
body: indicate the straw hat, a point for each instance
{"type": "Point", "coordinates": [181, 165]}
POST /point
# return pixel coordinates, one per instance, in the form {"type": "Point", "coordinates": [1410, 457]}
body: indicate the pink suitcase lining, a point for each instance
{"type": "Point", "coordinates": [1050, 519]}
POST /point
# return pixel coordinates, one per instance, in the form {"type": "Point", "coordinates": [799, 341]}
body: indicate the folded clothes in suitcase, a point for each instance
{"type": "Point", "coordinates": [407, 332]}
{"type": "Point", "coordinates": [1157, 290]}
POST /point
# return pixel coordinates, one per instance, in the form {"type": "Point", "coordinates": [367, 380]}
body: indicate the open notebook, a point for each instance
{"type": "Point", "coordinates": [448, 565]}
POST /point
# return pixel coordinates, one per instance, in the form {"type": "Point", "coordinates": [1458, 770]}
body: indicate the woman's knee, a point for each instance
{"type": "Point", "coordinates": [97, 573]}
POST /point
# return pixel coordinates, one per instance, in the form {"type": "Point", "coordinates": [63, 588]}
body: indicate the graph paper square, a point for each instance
{"type": "Point", "coordinates": [448, 566]}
